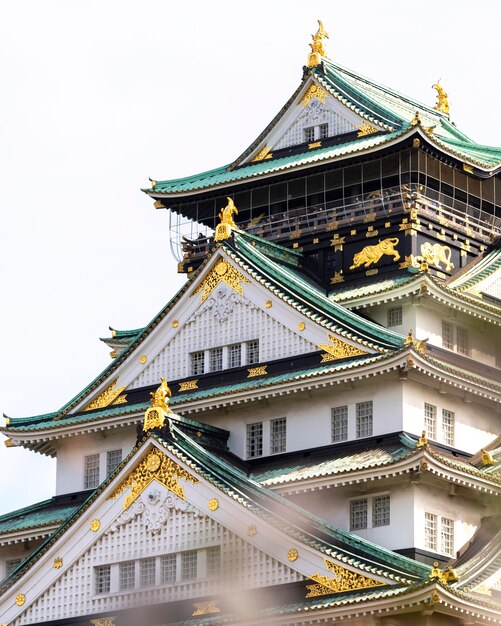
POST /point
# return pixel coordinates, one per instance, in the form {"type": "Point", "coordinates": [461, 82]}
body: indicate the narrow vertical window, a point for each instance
{"type": "Point", "coordinates": [278, 435]}
{"type": "Point", "coordinates": [253, 352]}
{"type": "Point", "coordinates": [339, 423]}
{"type": "Point", "coordinates": [364, 419]}
{"type": "Point", "coordinates": [102, 579]}
{"type": "Point", "coordinates": [462, 341]}
{"type": "Point", "coordinates": [235, 355]}
{"type": "Point", "coordinates": [168, 568]}
{"type": "Point", "coordinates": [197, 363]}
{"type": "Point", "coordinates": [430, 531]}
{"type": "Point", "coordinates": [113, 459]}
{"type": "Point", "coordinates": [216, 359]}
{"type": "Point", "coordinates": [91, 471]}
{"type": "Point", "coordinates": [358, 514]}
{"type": "Point", "coordinates": [189, 565]}
{"type": "Point", "coordinates": [395, 316]}
{"type": "Point", "coordinates": [147, 572]}
{"type": "Point", "coordinates": [430, 420]}
{"type": "Point", "coordinates": [447, 335]}
{"type": "Point", "coordinates": [254, 440]}
{"type": "Point", "coordinates": [323, 131]}
{"type": "Point", "coordinates": [213, 561]}
{"type": "Point", "coordinates": [447, 536]}
{"type": "Point", "coordinates": [448, 427]}
{"type": "Point", "coordinates": [127, 575]}
{"type": "Point", "coordinates": [381, 511]}
{"type": "Point", "coordinates": [309, 134]}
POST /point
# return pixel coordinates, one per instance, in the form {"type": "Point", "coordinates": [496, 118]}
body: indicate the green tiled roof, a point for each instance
{"type": "Point", "coordinates": [349, 292]}
{"type": "Point", "coordinates": [479, 270]}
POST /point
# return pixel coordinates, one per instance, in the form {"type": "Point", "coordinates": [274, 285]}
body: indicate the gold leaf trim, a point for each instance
{"type": "Point", "coordinates": [222, 272]}
{"type": "Point", "coordinates": [257, 371]}
{"type": "Point", "coordinates": [188, 385]}
{"type": "Point", "coordinates": [366, 129]}
{"type": "Point", "coordinates": [342, 581]}
{"type": "Point", "coordinates": [204, 608]}
{"type": "Point", "coordinates": [106, 397]}
{"type": "Point", "coordinates": [338, 349]}
{"type": "Point", "coordinates": [314, 91]}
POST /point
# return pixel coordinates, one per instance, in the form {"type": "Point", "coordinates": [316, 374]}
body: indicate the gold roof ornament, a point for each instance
{"type": "Point", "coordinates": [317, 47]}
{"type": "Point", "coordinates": [416, 120]}
{"type": "Point", "coordinates": [227, 223]}
{"type": "Point", "coordinates": [447, 575]}
{"type": "Point", "coordinates": [155, 415]}
{"type": "Point", "coordinates": [487, 457]}
{"type": "Point", "coordinates": [422, 441]}
{"type": "Point", "coordinates": [417, 344]}
{"type": "Point", "coordinates": [153, 183]}
{"type": "Point", "coordinates": [442, 104]}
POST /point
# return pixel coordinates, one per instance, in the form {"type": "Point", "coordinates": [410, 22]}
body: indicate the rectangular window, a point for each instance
{"type": "Point", "coordinates": [216, 359]}
{"type": "Point", "coordinates": [430, 420]}
{"type": "Point", "coordinates": [323, 131]}
{"type": "Point", "coordinates": [91, 471]}
{"type": "Point", "coordinates": [254, 440]}
{"type": "Point", "coordinates": [127, 575]}
{"type": "Point", "coordinates": [395, 316]}
{"type": "Point", "coordinates": [462, 339]}
{"type": "Point", "coordinates": [147, 572]}
{"type": "Point", "coordinates": [213, 561]}
{"type": "Point", "coordinates": [235, 355]}
{"type": "Point", "coordinates": [11, 565]}
{"type": "Point", "coordinates": [102, 578]}
{"type": "Point", "coordinates": [358, 514]}
{"type": "Point", "coordinates": [189, 565]}
{"type": "Point", "coordinates": [447, 335]}
{"type": "Point", "coordinates": [113, 459]}
{"type": "Point", "coordinates": [168, 568]}
{"type": "Point", "coordinates": [430, 531]}
{"type": "Point", "coordinates": [309, 134]}
{"type": "Point", "coordinates": [278, 435]}
{"type": "Point", "coordinates": [381, 511]}
{"type": "Point", "coordinates": [197, 363]}
{"type": "Point", "coordinates": [448, 427]}
{"type": "Point", "coordinates": [253, 352]}
{"type": "Point", "coordinates": [364, 419]}
{"type": "Point", "coordinates": [447, 536]}
{"type": "Point", "coordinates": [339, 423]}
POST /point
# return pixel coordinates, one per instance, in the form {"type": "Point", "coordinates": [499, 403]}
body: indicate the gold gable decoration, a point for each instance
{"type": "Point", "coordinates": [343, 580]}
{"type": "Point", "coordinates": [222, 272]}
{"type": "Point", "coordinates": [338, 349]}
{"type": "Point", "coordinates": [154, 466]}
{"type": "Point", "coordinates": [314, 91]}
{"type": "Point", "coordinates": [110, 395]}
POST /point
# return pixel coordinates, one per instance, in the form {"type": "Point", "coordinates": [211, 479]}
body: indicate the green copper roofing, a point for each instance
{"type": "Point", "coordinates": [478, 271]}
{"type": "Point", "coordinates": [349, 292]}
{"type": "Point", "coordinates": [42, 514]}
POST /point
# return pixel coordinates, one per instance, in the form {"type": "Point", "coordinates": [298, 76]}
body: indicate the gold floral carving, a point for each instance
{"type": "Point", "coordinates": [343, 580]}
{"type": "Point", "coordinates": [315, 144]}
{"type": "Point", "coordinates": [142, 359]}
{"type": "Point", "coordinates": [317, 47]}
{"type": "Point", "coordinates": [264, 153]}
{"type": "Point", "coordinates": [188, 385]}
{"type": "Point", "coordinates": [366, 129]}
{"type": "Point", "coordinates": [104, 621]}
{"type": "Point", "coordinates": [204, 608]}
{"type": "Point", "coordinates": [106, 398]}
{"type": "Point", "coordinates": [222, 272]}
{"type": "Point", "coordinates": [314, 91]}
{"type": "Point", "coordinates": [435, 254]}
{"type": "Point", "coordinates": [252, 531]}
{"type": "Point", "coordinates": [20, 599]}
{"type": "Point", "coordinates": [213, 504]}
{"type": "Point", "coordinates": [227, 223]}
{"type": "Point", "coordinates": [301, 326]}
{"type": "Point", "coordinates": [257, 371]}
{"type": "Point", "coordinates": [292, 555]}
{"type": "Point", "coordinates": [122, 399]}
{"type": "Point", "coordinates": [58, 562]}
{"type": "Point", "coordinates": [372, 254]}
{"type": "Point", "coordinates": [338, 349]}
{"type": "Point", "coordinates": [95, 525]}
{"type": "Point", "coordinates": [154, 466]}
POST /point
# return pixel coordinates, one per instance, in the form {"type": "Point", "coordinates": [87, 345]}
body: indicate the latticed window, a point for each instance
{"type": "Point", "coordinates": [11, 565]}
{"type": "Point", "coordinates": [364, 419]}
{"type": "Point", "coordinates": [235, 355]}
{"type": "Point", "coordinates": [430, 420]}
{"type": "Point", "coordinates": [216, 359]}
{"type": "Point", "coordinates": [323, 131]}
{"type": "Point", "coordinates": [254, 440]}
{"type": "Point", "coordinates": [447, 335]}
{"type": "Point", "coordinates": [213, 561]}
{"type": "Point", "coordinates": [381, 510]}
{"type": "Point", "coordinates": [395, 316]}
{"type": "Point", "coordinates": [448, 420]}
{"type": "Point", "coordinates": [447, 536]}
{"type": "Point", "coordinates": [430, 531]}
{"type": "Point", "coordinates": [462, 340]}
{"type": "Point", "coordinates": [309, 134]}
{"type": "Point", "coordinates": [127, 575]}
{"type": "Point", "coordinates": [253, 352]}
{"type": "Point", "coordinates": [147, 572]}
{"type": "Point", "coordinates": [91, 471]}
{"type": "Point", "coordinates": [189, 565]}
{"type": "Point", "coordinates": [113, 459]}
{"type": "Point", "coordinates": [278, 435]}
{"type": "Point", "coordinates": [339, 423]}
{"type": "Point", "coordinates": [358, 514]}
{"type": "Point", "coordinates": [102, 579]}
{"type": "Point", "coordinates": [168, 568]}
{"type": "Point", "coordinates": [197, 363]}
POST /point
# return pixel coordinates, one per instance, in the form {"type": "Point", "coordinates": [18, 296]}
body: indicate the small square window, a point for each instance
{"type": "Point", "coordinates": [216, 359]}
{"type": "Point", "coordinates": [168, 568]}
{"type": "Point", "coordinates": [91, 471]}
{"type": "Point", "coordinates": [147, 572]}
{"type": "Point", "coordinates": [102, 578]}
{"type": "Point", "coordinates": [448, 420]}
{"type": "Point", "coordinates": [254, 440]}
{"type": "Point", "coordinates": [430, 531]}
{"type": "Point", "coordinates": [127, 575]}
{"type": "Point", "coordinates": [253, 352]}
{"type": "Point", "coordinates": [309, 134]}
{"type": "Point", "coordinates": [381, 511]}
{"type": "Point", "coordinates": [430, 420]}
{"type": "Point", "coordinates": [189, 565]}
{"type": "Point", "coordinates": [323, 131]}
{"type": "Point", "coordinates": [364, 419]}
{"type": "Point", "coordinates": [358, 514]}
{"type": "Point", "coordinates": [278, 435]}
{"type": "Point", "coordinates": [339, 423]}
{"type": "Point", "coordinates": [197, 363]}
{"type": "Point", "coordinates": [235, 355]}
{"type": "Point", "coordinates": [395, 316]}
{"type": "Point", "coordinates": [213, 561]}
{"type": "Point", "coordinates": [113, 459]}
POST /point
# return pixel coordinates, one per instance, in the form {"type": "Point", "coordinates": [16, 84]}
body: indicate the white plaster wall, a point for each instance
{"type": "Point", "coordinates": [72, 452]}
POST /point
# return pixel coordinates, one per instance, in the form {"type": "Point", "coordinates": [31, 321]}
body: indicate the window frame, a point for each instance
{"type": "Point", "coordinates": [254, 440]}
{"type": "Point", "coordinates": [364, 430]}
{"type": "Point", "coordinates": [278, 435]}
{"type": "Point", "coordinates": [92, 471]}
{"type": "Point", "coordinates": [339, 422]}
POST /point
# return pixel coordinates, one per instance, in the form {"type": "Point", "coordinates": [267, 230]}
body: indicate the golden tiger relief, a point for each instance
{"type": "Point", "coordinates": [434, 254]}
{"type": "Point", "coordinates": [371, 254]}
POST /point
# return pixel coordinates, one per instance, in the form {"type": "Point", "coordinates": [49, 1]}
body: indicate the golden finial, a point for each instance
{"type": "Point", "coordinates": [227, 223]}
{"type": "Point", "coordinates": [416, 120]}
{"type": "Point", "coordinates": [487, 457]}
{"type": "Point", "coordinates": [442, 104]}
{"type": "Point", "coordinates": [155, 415]}
{"type": "Point", "coordinates": [317, 47]}
{"type": "Point", "coordinates": [153, 183]}
{"type": "Point", "coordinates": [422, 441]}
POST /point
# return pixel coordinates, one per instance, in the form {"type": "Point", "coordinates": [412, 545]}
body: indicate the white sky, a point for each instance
{"type": "Point", "coordinates": [99, 95]}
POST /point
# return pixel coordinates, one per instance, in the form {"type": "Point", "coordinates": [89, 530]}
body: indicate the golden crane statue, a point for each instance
{"type": "Point", "coordinates": [317, 47]}
{"type": "Point", "coordinates": [442, 104]}
{"type": "Point", "coordinates": [227, 223]}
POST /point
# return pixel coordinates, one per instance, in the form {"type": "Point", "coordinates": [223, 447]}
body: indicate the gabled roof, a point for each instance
{"type": "Point", "coordinates": [477, 271]}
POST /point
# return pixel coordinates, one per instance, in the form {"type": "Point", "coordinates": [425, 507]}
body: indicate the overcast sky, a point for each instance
{"type": "Point", "coordinates": [97, 96]}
